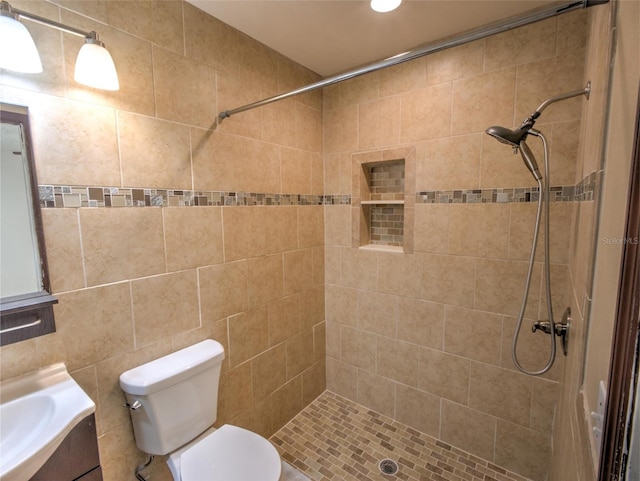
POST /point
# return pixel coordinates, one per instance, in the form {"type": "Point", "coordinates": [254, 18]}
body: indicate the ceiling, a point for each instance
{"type": "Point", "coordinates": [332, 36]}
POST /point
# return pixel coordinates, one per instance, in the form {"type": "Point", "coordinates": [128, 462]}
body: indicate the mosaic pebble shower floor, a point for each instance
{"type": "Point", "coordinates": [336, 439]}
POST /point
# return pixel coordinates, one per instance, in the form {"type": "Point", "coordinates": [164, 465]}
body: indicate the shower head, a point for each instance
{"type": "Point", "coordinates": [508, 136]}
{"type": "Point", "coordinates": [516, 139]}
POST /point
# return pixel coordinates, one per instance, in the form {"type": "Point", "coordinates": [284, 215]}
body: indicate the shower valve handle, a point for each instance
{"type": "Point", "coordinates": [544, 326]}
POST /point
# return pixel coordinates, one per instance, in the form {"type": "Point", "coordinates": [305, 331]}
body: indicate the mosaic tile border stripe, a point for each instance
{"type": "Point", "coordinates": [583, 191]}
{"type": "Point", "coordinates": [586, 189]}
{"type": "Point", "coordinates": [493, 196]}
{"type": "Point", "coordinates": [84, 196]}
{"type": "Point", "coordinates": [51, 196]}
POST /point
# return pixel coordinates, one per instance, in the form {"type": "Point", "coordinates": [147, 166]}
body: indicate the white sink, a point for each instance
{"type": "Point", "coordinates": [37, 411]}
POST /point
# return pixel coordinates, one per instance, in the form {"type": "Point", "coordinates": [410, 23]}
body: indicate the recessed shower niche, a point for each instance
{"type": "Point", "coordinates": [383, 200]}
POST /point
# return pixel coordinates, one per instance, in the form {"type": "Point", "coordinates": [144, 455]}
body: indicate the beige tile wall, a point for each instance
{"type": "Point", "coordinates": [571, 437]}
{"type": "Point", "coordinates": [137, 283]}
{"type": "Point", "coordinates": [594, 263]}
{"type": "Point", "coordinates": [425, 337]}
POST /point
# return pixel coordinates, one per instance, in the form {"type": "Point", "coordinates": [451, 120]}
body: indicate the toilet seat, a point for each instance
{"type": "Point", "coordinates": [231, 454]}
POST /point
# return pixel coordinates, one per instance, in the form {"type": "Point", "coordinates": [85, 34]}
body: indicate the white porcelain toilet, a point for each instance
{"type": "Point", "coordinates": [173, 403]}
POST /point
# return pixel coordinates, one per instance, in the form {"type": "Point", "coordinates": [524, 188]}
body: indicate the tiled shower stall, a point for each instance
{"type": "Point", "coordinates": [425, 337]}
{"type": "Point", "coordinates": [164, 227]}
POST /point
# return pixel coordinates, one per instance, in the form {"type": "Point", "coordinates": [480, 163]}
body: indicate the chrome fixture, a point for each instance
{"type": "Point", "coordinates": [18, 52]}
{"type": "Point", "coordinates": [517, 139]}
{"type": "Point", "coordinates": [467, 37]}
{"type": "Point", "coordinates": [142, 467]}
{"type": "Point", "coordinates": [561, 329]}
{"type": "Point", "coordinates": [134, 405]}
{"type": "Point", "coordinates": [545, 326]}
{"type": "Point", "coordinates": [388, 467]}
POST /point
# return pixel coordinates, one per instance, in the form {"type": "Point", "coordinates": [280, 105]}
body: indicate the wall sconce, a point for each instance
{"type": "Point", "coordinates": [18, 52]}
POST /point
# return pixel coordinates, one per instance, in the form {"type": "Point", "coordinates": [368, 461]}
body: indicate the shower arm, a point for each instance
{"type": "Point", "coordinates": [529, 121]}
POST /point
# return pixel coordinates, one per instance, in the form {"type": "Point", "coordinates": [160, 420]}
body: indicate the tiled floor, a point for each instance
{"type": "Point", "coordinates": [291, 474]}
{"type": "Point", "coordinates": [336, 439]}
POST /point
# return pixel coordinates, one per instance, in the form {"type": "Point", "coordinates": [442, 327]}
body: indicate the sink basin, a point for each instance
{"type": "Point", "coordinates": [37, 411]}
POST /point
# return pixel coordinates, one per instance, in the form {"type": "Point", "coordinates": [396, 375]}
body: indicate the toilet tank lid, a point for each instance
{"type": "Point", "coordinates": [172, 368]}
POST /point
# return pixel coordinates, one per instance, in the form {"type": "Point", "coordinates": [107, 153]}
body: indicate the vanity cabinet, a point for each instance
{"type": "Point", "coordinates": [77, 458]}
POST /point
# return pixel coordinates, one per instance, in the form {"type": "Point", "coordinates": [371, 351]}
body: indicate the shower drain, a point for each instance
{"type": "Point", "coordinates": [387, 466]}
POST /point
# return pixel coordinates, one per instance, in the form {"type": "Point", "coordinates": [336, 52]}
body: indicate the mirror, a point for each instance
{"type": "Point", "coordinates": [26, 305]}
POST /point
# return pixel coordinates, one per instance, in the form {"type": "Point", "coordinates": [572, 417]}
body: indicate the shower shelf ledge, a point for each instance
{"type": "Point", "coordinates": [382, 202]}
{"type": "Point", "coordinates": [382, 248]}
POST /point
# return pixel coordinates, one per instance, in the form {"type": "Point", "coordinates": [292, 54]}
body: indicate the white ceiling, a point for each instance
{"type": "Point", "coordinates": [332, 36]}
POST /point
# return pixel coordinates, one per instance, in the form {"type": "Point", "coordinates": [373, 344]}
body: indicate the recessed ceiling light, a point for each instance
{"type": "Point", "coordinates": [384, 6]}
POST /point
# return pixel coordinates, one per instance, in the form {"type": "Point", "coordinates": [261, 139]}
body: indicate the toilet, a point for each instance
{"type": "Point", "coordinates": [173, 403]}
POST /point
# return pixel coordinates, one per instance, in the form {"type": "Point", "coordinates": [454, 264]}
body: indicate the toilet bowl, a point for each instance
{"type": "Point", "coordinates": [229, 453]}
{"type": "Point", "coordinates": [173, 404]}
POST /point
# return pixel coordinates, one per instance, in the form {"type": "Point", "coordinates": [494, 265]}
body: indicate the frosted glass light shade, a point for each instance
{"type": "Point", "coordinates": [95, 68]}
{"type": "Point", "coordinates": [384, 6]}
{"type": "Point", "coordinates": [18, 52]}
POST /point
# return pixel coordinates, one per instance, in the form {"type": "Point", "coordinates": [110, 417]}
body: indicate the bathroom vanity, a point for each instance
{"type": "Point", "coordinates": [77, 458]}
{"type": "Point", "coordinates": [47, 428]}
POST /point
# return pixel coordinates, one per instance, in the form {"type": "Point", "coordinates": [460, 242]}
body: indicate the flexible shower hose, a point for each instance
{"type": "Point", "coordinates": [542, 199]}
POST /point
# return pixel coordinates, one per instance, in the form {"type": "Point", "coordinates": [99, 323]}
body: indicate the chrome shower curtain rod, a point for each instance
{"type": "Point", "coordinates": [422, 51]}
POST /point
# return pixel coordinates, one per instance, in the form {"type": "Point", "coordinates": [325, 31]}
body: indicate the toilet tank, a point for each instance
{"type": "Point", "coordinates": [177, 395]}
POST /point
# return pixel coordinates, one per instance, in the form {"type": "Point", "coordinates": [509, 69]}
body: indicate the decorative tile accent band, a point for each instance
{"type": "Point", "coordinates": [85, 196]}
{"type": "Point", "coordinates": [582, 191]}
{"type": "Point", "coordinates": [493, 196]}
{"type": "Point", "coordinates": [81, 196]}
{"type": "Point", "coordinates": [587, 187]}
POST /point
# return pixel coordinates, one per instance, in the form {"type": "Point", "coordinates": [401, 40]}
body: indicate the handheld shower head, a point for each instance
{"type": "Point", "coordinates": [516, 139]}
{"type": "Point", "coordinates": [507, 136]}
{"type": "Point", "coordinates": [530, 160]}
